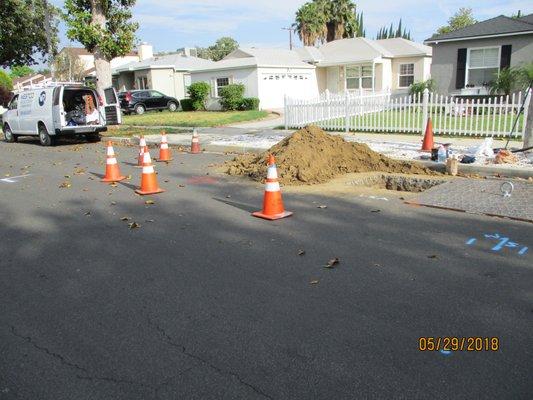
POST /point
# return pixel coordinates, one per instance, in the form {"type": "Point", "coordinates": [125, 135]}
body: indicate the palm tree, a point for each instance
{"type": "Point", "coordinates": [327, 20]}
{"type": "Point", "coordinates": [505, 82]}
{"type": "Point", "coordinates": [310, 24]}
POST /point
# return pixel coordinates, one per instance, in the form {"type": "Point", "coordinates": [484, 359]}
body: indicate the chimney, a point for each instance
{"type": "Point", "coordinates": [145, 51]}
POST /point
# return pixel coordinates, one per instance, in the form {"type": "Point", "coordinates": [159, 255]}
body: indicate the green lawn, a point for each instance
{"type": "Point", "coordinates": [192, 119]}
{"type": "Point", "coordinates": [395, 121]}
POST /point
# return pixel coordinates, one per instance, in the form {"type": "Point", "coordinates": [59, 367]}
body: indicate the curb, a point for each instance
{"type": "Point", "coordinates": [462, 168]}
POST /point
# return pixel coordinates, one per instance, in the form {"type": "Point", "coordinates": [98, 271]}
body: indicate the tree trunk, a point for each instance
{"type": "Point", "coordinates": [528, 133]}
{"type": "Point", "coordinates": [101, 63]}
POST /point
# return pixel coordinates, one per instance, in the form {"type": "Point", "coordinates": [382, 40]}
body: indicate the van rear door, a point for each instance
{"type": "Point", "coordinates": [57, 108]}
{"type": "Point", "coordinates": [112, 107]}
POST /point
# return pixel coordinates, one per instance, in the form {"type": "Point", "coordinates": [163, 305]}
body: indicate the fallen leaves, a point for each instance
{"type": "Point", "coordinates": [149, 202]}
{"type": "Point", "coordinates": [332, 263]}
{"type": "Point", "coordinates": [134, 225]}
{"type": "Point", "coordinates": [375, 211]}
{"type": "Point", "coordinates": [315, 282]}
{"type": "Point", "coordinates": [301, 252]}
{"type": "Point", "coordinates": [125, 218]}
{"type": "Point", "coordinates": [322, 206]}
{"type": "Point", "coordinates": [433, 256]}
{"type": "Point", "coordinates": [65, 185]}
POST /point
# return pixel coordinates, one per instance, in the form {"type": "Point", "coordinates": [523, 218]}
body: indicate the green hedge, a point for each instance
{"type": "Point", "coordinates": [249, 103]}
{"type": "Point", "coordinates": [198, 93]}
{"type": "Point", "coordinates": [231, 96]}
{"type": "Point", "coordinates": [186, 105]}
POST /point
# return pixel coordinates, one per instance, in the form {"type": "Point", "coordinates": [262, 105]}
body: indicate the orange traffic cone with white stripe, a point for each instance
{"type": "Point", "coordinates": [148, 179]}
{"type": "Point", "coordinates": [143, 148]}
{"type": "Point", "coordinates": [112, 171]}
{"type": "Point", "coordinates": [272, 201]}
{"type": "Point", "coordinates": [428, 143]}
{"type": "Point", "coordinates": [195, 143]}
{"type": "Point", "coordinates": [164, 151]}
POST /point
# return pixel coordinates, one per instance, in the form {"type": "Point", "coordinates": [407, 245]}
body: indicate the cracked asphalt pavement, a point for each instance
{"type": "Point", "coordinates": [203, 301]}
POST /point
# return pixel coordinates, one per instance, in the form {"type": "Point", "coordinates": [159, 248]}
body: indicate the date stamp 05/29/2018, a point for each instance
{"type": "Point", "coordinates": [455, 343]}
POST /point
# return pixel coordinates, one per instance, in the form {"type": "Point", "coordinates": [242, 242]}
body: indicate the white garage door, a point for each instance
{"type": "Point", "coordinates": [274, 87]}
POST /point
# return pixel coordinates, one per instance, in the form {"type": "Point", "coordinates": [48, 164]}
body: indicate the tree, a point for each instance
{"type": "Point", "coordinates": [18, 71]}
{"type": "Point", "coordinates": [389, 33]}
{"type": "Point", "coordinates": [462, 18]}
{"type": "Point", "coordinates": [28, 31]}
{"type": "Point", "coordinates": [105, 28]}
{"type": "Point", "coordinates": [320, 21]}
{"type": "Point", "coordinates": [5, 80]}
{"type": "Point", "coordinates": [219, 50]}
{"type": "Point", "coordinates": [68, 66]}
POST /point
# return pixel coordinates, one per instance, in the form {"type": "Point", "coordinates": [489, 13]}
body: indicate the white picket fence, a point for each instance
{"type": "Point", "coordinates": [382, 112]}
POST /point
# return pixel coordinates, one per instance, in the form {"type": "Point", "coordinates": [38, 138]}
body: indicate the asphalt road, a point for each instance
{"type": "Point", "coordinates": [204, 301]}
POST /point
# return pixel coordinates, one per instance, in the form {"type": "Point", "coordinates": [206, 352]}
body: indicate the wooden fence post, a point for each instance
{"type": "Point", "coordinates": [425, 101]}
{"type": "Point", "coordinates": [528, 121]}
{"type": "Point", "coordinates": [346, 111]}
{"type": "Point", "coordinates": [285, 110]}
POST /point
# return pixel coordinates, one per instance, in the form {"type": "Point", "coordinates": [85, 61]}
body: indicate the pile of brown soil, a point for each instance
{"type": "Point", "coordinates": [311, 156]}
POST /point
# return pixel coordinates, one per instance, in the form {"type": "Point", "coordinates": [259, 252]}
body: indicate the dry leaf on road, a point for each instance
{"type": "Point", "coordinates": [331, 263]}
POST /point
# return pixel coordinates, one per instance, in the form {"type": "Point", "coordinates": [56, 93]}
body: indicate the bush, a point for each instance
{"type": "Point", "coordinates": [5, 96]}
{"type": "Point", "coordinates": [186, 105]}
{"type": "Point", "coordinates": [231, 96]}
{"type": "Point", "coordinates": [419, 87]}
{"type": "Point", "coordinates": [198, 93]}
{"type": "Point", "coordinates": [249, 104]}
{"type": "Point", "coordinates": [5, 81]}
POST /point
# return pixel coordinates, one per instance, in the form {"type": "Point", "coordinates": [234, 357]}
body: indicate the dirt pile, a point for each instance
{"type": "Point", "coordinates": [311, 156]}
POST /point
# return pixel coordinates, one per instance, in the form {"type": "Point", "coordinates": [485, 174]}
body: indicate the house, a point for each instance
{"type": "Point", "coordinates": [357, 64]}
{"type": "Point", "coordinates": [268, 74]}
{"type": "Point", "coordinates": [29, 80]}
{"type": "Point", "coordinates": [168, 74]}
{"type": "Point", "coordinates": [465, 61]}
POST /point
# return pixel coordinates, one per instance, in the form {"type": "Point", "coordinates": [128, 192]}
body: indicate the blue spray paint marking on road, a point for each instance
{"type": "Point", "coordinates": [503, 242]}
{"type": "Point", "coordinates": [446, 352]}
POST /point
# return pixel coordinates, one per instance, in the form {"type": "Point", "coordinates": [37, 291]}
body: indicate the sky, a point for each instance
{"type": "Point", "coordinates": [172, 24]}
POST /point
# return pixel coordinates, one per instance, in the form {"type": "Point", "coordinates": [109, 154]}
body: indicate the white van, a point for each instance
{"type": "Point", "coordinates": [59, 110]}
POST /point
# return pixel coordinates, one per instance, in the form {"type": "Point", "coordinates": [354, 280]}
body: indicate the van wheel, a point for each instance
{"type": "Point", "coordinates": [93, 137]}
{"type": "Point", "coordinates": [139, 109]}
{"type": "Point", "coordinates": [8, 135]}
{"type": "Point", "coordinates": [44, 138]}
{"type": "Point", "coordinates": [172, 106]}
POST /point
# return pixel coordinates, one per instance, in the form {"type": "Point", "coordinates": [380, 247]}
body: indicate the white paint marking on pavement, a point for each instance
{"type": "Point", "coordinates": [13, 179]}
{"type": "Point", "coordinates": [374, 197]}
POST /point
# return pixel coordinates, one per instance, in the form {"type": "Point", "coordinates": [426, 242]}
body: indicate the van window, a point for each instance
{"type": "Point", "coordinates": [57, 92]}
{"type": "Point", "coordinates": [14, 103]}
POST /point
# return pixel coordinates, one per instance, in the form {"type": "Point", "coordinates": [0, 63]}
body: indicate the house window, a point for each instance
{"type": "Point", "coordinates": [407, 75]}
{"type": "Point", "coordinates": [221, 82]}
{"type": "Point", "coordinates": [482, 66]}
{"type": "Point", "coordinates": [359, 77]}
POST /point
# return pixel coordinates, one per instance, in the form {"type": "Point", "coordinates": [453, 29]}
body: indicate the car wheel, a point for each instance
{"type": "Point", "coordinates": [172, 106]}
{"type": "Point", "coordinates": [44, 138]}
{"type": "Point", "coordinates": [140, 109]}
{"type": "Point", "coordinates": [8, 135]}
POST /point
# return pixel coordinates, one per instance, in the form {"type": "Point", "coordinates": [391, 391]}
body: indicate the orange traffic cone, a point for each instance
{"type": "Point", "coordinates": [112, 171]}
{"type": "Point", "coordinates": [142, 149]}
{"type": "Point", "coordinates": [149, 179]}
{"type": "Point", "coordinates": [428, 144]}
{"type": "Point", "coordinates": [272, 201]}
{"type": "Point", "coordinates": [195, 144]}
{"type": "Point", "coordinates": [164, 151]}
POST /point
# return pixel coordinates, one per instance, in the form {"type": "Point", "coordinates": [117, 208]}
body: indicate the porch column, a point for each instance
{"type": "Point", "coordinates": [373, 76]}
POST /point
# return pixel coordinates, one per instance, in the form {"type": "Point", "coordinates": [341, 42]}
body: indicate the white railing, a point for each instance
{"type": "Point", "coordinates": [381, 112]}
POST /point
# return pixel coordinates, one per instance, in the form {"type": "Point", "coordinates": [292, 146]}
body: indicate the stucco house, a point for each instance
{"type": "Point", "coordinates": [466, 60]}
{"type": "Point", "coordinates": [267, 74]}
{"type": "Point", "coordinates": [357, 64]}
{"type": "Point", "coordinates": [168, 74]}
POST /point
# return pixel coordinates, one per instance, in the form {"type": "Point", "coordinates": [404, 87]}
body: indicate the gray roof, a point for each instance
{"type": "Point", "coordinates": [178, 62]}
{"type": "Point", "coordinates": [400, 47]}
{"type": "Point", "coordinates": [253, 57]}
{"type": "Point", "coordinates": [500, 25]}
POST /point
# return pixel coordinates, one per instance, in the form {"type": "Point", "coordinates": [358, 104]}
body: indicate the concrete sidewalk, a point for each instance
{"type": "Point", "coordinates": [403, 147]}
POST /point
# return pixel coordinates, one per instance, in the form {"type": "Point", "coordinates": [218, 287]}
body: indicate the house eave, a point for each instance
{"type": "Point", "coordinates": [437, 41]}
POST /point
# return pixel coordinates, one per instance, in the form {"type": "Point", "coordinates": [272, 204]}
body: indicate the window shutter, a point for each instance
{"type": "Point", "coordinates": [461, 69]}
{"type": "Point", "coordinates": [505, 60]}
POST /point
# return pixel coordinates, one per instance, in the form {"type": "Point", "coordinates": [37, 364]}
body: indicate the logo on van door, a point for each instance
{"type": "Point", "coordinates": [42, 98]}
